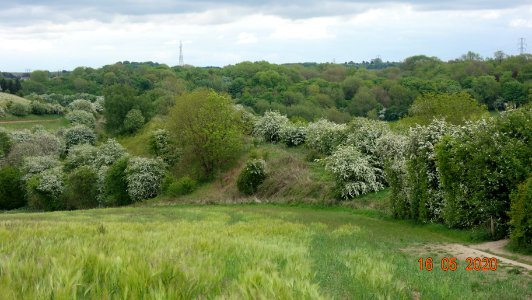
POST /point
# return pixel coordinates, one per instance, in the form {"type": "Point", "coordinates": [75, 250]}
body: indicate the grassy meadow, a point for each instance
{"type": "Point", "coordinates": [235, 252]}
{"type": "Point", "coordinates": [48, 122]}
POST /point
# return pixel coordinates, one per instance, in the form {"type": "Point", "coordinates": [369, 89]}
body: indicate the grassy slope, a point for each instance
{"type": "Point", "coordinates": [239, 251]}
{"type": "Point", "coordinates": [5, 97]}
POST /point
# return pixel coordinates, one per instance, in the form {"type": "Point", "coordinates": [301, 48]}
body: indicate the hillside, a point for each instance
{"type": "Point", "coordinates": [5, 98]}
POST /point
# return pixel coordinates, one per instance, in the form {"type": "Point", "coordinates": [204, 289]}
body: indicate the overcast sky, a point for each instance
{"type": "Point", "coordinates": [64, 34]}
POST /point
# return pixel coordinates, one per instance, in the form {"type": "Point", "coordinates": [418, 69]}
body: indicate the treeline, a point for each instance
{"type": "Point", "coordinates": [11, 86]}
{"type": "Point", "coordinates": [336, 92]}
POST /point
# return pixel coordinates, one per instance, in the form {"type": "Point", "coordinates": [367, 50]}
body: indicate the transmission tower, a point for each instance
{"type": "Point", "coordinates": [181, 62]}
{"type": "Point", "coordinates": [522, 46]}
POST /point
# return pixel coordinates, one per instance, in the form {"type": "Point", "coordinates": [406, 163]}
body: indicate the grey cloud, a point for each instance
{"type": "Point", "coordinates": [65, 10]}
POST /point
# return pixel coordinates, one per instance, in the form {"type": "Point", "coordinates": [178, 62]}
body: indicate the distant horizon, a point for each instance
{"type": "Point", "coordinates": [274, 63]}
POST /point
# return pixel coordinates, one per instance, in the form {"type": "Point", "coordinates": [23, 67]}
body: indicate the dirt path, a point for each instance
{"type": "Point", "coordinates": [28, 121]}
{"type": "Point", "coordinates": [462, 252]}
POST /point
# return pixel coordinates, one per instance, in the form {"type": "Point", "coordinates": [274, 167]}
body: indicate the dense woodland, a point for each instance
{"type": "Point", "coordinates": [311, 91]}
{"type": "Point", "coordinates": [421, 128]}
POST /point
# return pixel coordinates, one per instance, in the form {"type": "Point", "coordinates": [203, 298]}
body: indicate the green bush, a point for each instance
{"type": "Point", "coordinates": [251, 176]}
{"type": "Point", "coordinates": [133, 121]}
{"type": "Point", "coordinates": [182, 186]}
{"type": "Point", "coordinates": [481, 165]}
{"type": "Point", "coordinates": [19, 109]}
{"type": "Point", "coordinates": [81, 188]}
{"type": "Point", "coordinates": [115, 184]}
{"type": "Point", "coordinates": [5, 143]}
{"type": "Point", "coordinates": [81, 117]}
{"type": "Point", "coordinates": [39, 108]}
{"type": "Point", "coordinates": [521, 216]}
{"type": "Point", "coordinates": [11, 192]}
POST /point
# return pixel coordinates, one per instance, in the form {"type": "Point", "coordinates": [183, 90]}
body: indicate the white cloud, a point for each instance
{"type": "Point", "coordinates": [246, 38]}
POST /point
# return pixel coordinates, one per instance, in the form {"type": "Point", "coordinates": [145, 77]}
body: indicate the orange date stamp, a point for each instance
{"type": "Point", "coordinates": [451, 264]}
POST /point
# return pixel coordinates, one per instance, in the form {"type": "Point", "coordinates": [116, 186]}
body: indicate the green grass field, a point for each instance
{"type": "Point", "coordinates": [237, 252]}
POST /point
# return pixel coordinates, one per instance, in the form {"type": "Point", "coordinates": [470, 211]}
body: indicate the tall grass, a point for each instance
{"type": "Point", "coordinates": [238, 252]}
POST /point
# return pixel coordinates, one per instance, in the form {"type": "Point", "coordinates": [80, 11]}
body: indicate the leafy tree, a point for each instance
{"type": "Point", "coordinates": [207, 127]}
{"type": "Point", "coordinates": [521, 215]}
{"type": "Point", "coordinates": [119, 101]}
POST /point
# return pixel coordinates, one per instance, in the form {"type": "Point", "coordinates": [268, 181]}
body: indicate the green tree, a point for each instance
{"type": "Point", "coordinates": [454, 108]}
{"type": "Point", "coordinates": [207, 126]}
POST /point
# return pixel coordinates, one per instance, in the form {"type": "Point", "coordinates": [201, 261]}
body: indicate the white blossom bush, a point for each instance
{"type": "Point", "coordinates": [324, 136]}
{"type": "Point", "coordinates": [247, 118]}
{"type": "Point", "coordinates": [2, 112]}
{"type": "Point", "coordinates": [353, 172]}
{"type": "Point", "coordinates": [392, 149]}
{"type": "Point", "coordinates": [108, 153]}
{"type": "Point", "coordinates": [363, 134]}
{"type": "Point", "coordinates": [38, 164]}
{"type": "Point", "coordinates": [38, 143]}
{"type": "Point", "coordinates": [251, 177]}
{"type": "Point", "coordinates": [81, 117]}
{"type": "Point", "coordinates": [144, 178]}
{"type": "Point", "coordinates": [293, 135]}
{"type": "Point", "coordinates": [80, 155]}
{"type": "Point", "coordinates": [44, 190]}
{"type": "Point", "coordinates": [81, 104]}
{"type": "Point", "coordinates": [162, 146]}
{"type": "Point", "coordinates": [97, 105]}
{"type": "Point", "coordinates": [269, 126]}
{"type": "Point", "coordinates": [79, 134]}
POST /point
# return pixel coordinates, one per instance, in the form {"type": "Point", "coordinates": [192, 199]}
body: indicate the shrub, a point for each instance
{"type": "Point", "coordinates": [81, 117]}
{"type": "Point", "coordinates": [35, 165]}
{"type": "Point", "coordinates": [39, 143]}
{"type": "Point", "coordinates": [325, 136]}
{"type": "Point", "coordinates": [392, 149]}
{"type": "Point", "coordinates": [144, 178]}
{"type": "Point", "coordinates": [425, 193]}
{"type": "Point", "coordinates": [353, 172]}
{"type": "Point", "coordinates": [80, 155]}
{"type": "Point", "coordinates": [79, 134]}
{"type": "Point", "coordinates": [108, 153]}
{"type": "Point", "coordinates": [81, 104]}
{"type": "Point", "coordinates": [251, 177]}
{"type": "Point", "coordinates": [39, 108]}
{"type": "Point", "coordinates": [293, 135]}
{"type": "Point", "coordinates": [44, 191]}
{"type": "Point", "coordinates": [2, 112]}
{"type": "Point", "coordinates": [97, 106]}
{"type": "Point", "coordinates": [182, 186]}
{"type": "Point", "coordinates": [133, 121]}
{"type": "Point", "coordinates": [115, 187]}
{"type": "Point", "coordinates": [364, 134]}
{"type": "Point", "coordinates": [521, 215]}
{"type": "Point", "coordinates": [81, 188]}
{"type": "Point", "coordinates": [19, 109]}
{"type": "Point", "coordinates": [269, 126]}
{"type": "Point", "coordinates": [5, 143]}
{"type": "Point", "coordinates": [161, 146]}
{"type": "Point", "coordinates": [11, 188]}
